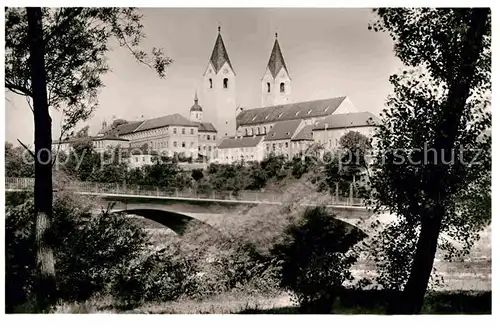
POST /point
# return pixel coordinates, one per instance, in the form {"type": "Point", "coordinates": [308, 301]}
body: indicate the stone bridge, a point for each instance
{"type": "Point", "coordinates": [177, 214]}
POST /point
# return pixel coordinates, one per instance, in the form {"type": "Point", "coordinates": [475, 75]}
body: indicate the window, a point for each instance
{"type": "Point", "coordinates": [330, 143]}
{"type": "Point", "coordinates": [143, 159]}
{"type": "Point", "coordinates": [175, 131]}
{"type": "Point", "coordinates": [183, 131]}
{"type": "Point", "coordinates": [282, 87]}
{"type": "Point", "coordinates": [274, 147]}
{"type": "Point", "coordinates": [204, 147]}
{"type": "Point", "coordinates": [267, 147]}
{"type": "Point", "coordinates": [136, 159]}
{"type": "Point", "coordinates": [280, 145]}
{"type": "Point", "coordinates": [251, 130]}
{"type": "Point", "coordinates": [258, 130]}
{"type": "Point", "coordinates": [192, 144]}
{"type": "Point", "coordinates": [213, 137]}
{"type": "Point", "coordinates": [208, 137]}
{"type": "Point", "coordinates": [268, 87]}
{"type": "Point", "coordinates": [209, 148]}
{"type": "Point", "coordinates": [183, 144]}
{"type": "Point", "coordinates": [175, 143]}
{"type": "Point", "coordinates": [199, 148]}
{"type": "Point", "coordinates": [210, 83]}
{"type": "Point", "coordinates": [286, 144]}
{"type": "Point", "coordinates": [265, 130]}
{"type": "Point", "coordinates": [224, 83]}
{"type": "Point", "coordinates": [192, 130]}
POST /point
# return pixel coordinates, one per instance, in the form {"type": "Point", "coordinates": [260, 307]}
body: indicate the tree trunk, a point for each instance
{"type": "Point", "coordinates": [413, 295]}
{"type": "Point", "coordinates": [45, 288]}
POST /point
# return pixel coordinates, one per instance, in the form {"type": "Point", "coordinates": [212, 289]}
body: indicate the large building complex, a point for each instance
{"type": "Point", "coordinates": [223, 132]}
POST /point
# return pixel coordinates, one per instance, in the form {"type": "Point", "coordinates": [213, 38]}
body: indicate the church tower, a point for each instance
{"type": "Point", "coordinates": [276, 82]}
{"type": "Point", "coordinates": [219, 91]}
{"type": "Point", "coordinates": [196, 112]}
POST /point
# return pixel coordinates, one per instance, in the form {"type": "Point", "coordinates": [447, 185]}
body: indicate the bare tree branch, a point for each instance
{"type": "Point", "coordinates": [27, 149]}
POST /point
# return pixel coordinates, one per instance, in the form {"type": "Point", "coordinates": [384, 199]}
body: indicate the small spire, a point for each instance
{"type": "Point", "coordinates": [196, 96]}
{"type": "Point", "coordinates": [276, 34]}
{"type": "Point", "coordinates": [218, 28]}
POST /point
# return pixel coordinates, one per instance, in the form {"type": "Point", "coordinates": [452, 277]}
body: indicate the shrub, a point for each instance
{"type": "Point", "coordinates": [316, 259]}
{"type": "Point", "coordinates": [159, 275]}
{"type": "Point", "coordinates": [88, 249]}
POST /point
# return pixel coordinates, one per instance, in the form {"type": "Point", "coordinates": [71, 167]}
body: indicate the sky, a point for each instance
{"type": "Point", "coordinates": [329, 52]}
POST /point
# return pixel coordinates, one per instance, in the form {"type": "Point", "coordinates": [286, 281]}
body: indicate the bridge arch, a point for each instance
{"type": "Point", "coordinates": [177, 222]}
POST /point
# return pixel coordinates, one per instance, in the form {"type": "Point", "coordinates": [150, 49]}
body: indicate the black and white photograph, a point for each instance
{"type": "Point", "coordinates": [248, 160]}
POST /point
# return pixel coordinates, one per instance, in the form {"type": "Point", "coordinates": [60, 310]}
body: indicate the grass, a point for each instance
{"type": "Point", "coordinates": [351, 302]}
{"type": "Point", "coordinates": [375, 302]}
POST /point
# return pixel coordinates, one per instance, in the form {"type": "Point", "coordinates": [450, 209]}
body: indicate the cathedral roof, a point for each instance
{"type": "Point", "coordinates": [302, 110]}
{"type": "Point", "coordinates": [219, 55]}
{"type": "Point", "coordinates": [347, 120]}
{"type": "Point", "coordinates": [276, 60]}
{"type": "Point", "coordinates": [304, 134]}
{"type": "Point", "coordinates": [283, 130]}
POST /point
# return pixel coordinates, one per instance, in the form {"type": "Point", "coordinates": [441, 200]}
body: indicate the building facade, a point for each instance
{"type": "Point", "coordinates": [240, 149]}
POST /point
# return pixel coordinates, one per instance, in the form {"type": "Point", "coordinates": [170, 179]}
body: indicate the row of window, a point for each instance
{"type": "Point", "coordinates": [258, 131]}
{"type": "Point", "coordinates": [282, 87]}
{"type": "Point", "coordinates": [205, 147]}
{"type": "Point", "coordinates": [280, 145]}
{"type": "Point", "coordinates": [208, 137]}
{"type": "Point", "coordinates": [160, 145]}
{"type": "Point", "coordinates": [225, 83]}
{"type": "Point", "coordinates": [183, 131]}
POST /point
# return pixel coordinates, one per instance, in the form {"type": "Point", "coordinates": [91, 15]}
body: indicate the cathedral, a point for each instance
{"type": "Point", "coordinates": [220, 131]}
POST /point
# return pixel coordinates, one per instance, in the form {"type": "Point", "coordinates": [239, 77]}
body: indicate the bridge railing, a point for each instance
{"type": "Point", "coordinates": [20, 183]}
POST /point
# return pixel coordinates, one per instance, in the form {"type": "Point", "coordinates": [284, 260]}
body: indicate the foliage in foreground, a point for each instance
{"type": "Point", "coordinates": [103, 254]}
{"type": "Point", "coordinates": [433, 168]}
{"type": "Point", "coordinates": [316, 258]}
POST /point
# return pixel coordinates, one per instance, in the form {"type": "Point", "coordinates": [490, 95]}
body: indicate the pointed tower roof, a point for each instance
{"type": "Point", "coordinates": [276, 60]}
{"type": "Point", "coordinates": [196, 107]}
{"type": "Point", "coordinates": [219, 54]}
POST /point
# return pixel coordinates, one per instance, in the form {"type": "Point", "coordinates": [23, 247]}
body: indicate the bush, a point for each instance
{"type": "Point", "coordinates": [89, 250]}
{"type": "Point", "coordinates": [316, 259]}
{"type": "Point", "coordinates": [161, 275]}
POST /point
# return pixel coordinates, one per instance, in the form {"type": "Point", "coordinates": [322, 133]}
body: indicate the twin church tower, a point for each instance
{"type": "Point", "coordinates": [219, 87]}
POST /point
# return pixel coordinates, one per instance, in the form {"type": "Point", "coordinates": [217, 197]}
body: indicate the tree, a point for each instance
{"type": "Point", "coordinates": [438, 109]}
{"type": "Point", "coordinates": [197, 174]}
{"type": "Point", "coordinates": [84, 162]}
{"type": "Point", "coordinates": [16, 162]}
{"type": "Point", "coordinates": [118, 122]}
{"type": "Point", "coordinates": [316, 258]}
{"type": "Point", "coordinates": [54, 58]}
{"type": "Point", "coordinates": [354, 146]}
